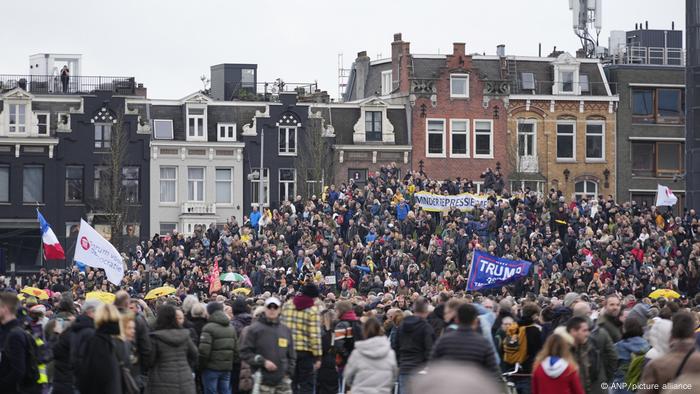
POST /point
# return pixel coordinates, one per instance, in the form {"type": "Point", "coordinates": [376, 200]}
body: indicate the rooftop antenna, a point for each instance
{"type": "Point", "coordinates": [587, 19]}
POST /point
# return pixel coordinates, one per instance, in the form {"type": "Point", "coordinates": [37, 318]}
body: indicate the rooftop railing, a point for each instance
{"type": "Point", "coordinates": [650, 55]}
{"type": "Point", "coordinates": [54, 84]}
{"type": "Point", "coordinates": [521, 86]}
{"type": "Point", "coordinates": [269, 91]}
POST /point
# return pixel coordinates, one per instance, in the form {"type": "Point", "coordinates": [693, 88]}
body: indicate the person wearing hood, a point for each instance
{"type": "Point", "coordinates": [99, 370]}
{"type": "Point", "coordinates": [218, 350]}
{"type": "Point", "coordinates": [304, 319]}
{"type": "Point", "coordinates": [659, 338]}
{"type": "Point", "coordinates": [173, 356]}
{"type": "Point", "coordinates": [555, 371]}
{"type": "Point", "coordinates": [371, 367]}
{"type": "Point", "coordinates": [632, 344]}
{"type": "Point", "coordinates": [267, 345]}
{"type": "Point", "coordinates": [413, 342]}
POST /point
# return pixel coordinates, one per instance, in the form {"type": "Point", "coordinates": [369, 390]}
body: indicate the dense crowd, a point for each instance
{"type": "Point", "coordinates": [361, 289]}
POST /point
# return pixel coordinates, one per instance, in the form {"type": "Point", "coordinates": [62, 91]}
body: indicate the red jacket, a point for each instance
{"type": "Point", "coordinates": [567, 382]}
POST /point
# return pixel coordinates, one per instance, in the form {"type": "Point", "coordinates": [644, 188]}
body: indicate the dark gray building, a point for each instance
{"type": "Point", "coordinates": [693, 103]}
{"type": "Point", "coordinates": [650, 143]}
{"type": "Point", "coordinates": [230, 81]}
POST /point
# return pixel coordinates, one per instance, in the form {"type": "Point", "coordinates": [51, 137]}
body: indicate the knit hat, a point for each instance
{"type": "Point", "coordinates": [641, 313]}
{"type": "Point", "coordinates": [569, 298]}
{"type": "Point", "coordinates": [310, 290]}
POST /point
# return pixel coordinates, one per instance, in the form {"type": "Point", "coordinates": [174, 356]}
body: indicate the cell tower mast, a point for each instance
{"type": "Point", "coordinates": [343, 74]}
{"type": "Point", "coordinates": [587, 20]}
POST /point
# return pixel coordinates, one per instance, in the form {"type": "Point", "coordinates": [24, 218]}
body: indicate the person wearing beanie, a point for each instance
{"type": "Point", "coordinates": [218, 350]}
{"type": "Point", "coordinates": [640, 312]}
{"type": "Point", "coordinates": [304, 320]}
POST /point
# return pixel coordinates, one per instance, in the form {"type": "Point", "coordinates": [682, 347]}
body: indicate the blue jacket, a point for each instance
{"type": "Point", "coordinates": [402, 211]}
{"type": "Point", "coordinates": [255, 218]}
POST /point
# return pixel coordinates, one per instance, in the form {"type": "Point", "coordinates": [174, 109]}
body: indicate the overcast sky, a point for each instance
{"type": "Point", "coordinates": [167, 45]}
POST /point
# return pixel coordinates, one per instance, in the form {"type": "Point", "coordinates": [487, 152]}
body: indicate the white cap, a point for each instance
{"type": "Point", "coordinates": [273, 300]}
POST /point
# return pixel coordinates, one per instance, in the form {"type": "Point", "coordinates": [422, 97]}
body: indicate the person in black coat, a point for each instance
{"type": "Point", "coordinates": [15, 376]}
{"type": "Point", "coordinates": [100, 370]}
{"type": "Point", "coordinates": [327, 375]}
{"type": "Point", "coordinates": [413, 342]}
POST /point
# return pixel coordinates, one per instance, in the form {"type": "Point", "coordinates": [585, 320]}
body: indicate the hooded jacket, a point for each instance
{"type": "Point", "coordinates": [269, 340]}
{"type": "Point", "coordinates": [412, 343]}
{"type": "Point", "coordinates": [218, 344]}
{"type": "Point", "coordinates": [371, 368]}
{"type": "Point", "coordinates": [663, 369]}
{"type": "Point", "coordinates": [555, 375]}
{"type": "Point", "coordinates": [68, 351]}
{"type": "Point", "coordinates": [171, 362]}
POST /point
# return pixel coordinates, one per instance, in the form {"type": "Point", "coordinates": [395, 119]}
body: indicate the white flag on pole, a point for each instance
{"type": "Point", "coordinates": [665, 197]}
{"type": "Point", "coordinates": [95, 251]}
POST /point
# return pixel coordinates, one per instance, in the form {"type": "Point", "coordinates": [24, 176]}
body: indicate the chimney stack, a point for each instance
{"type": "Point", "coordinates": [646, 25]}
{"type": "Point", "coordinates": [673, 25]}
{"type": "Point", "coordinates": [501, 50]}
{"type": "Point", "coordinates": [400, 53]}
{"type": "Point", "coordinates": [361, 72]}
{"type": "Point", "coordinates": [397, 37]}
{"type": "Point", "coordinates": [635, 27]}
{"type": "Point", "coordinates": [458, 48]}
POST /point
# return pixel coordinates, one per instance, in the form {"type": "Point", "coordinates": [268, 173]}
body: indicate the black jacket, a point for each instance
{"type": "Point", "coordinates": [99, 370]}
{"type": "Point", "coordinates": [467, 345]}
{"type": "Point", "coordinates": [14, 347]}
{"type": "Point", "coordinates": [68, 351]}
{"type": "Point", "coordinates": [412, 343]}
{"type": "Point", "coordinates": [268, 340]}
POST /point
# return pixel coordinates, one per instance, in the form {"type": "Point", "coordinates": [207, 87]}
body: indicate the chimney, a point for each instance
{"type": "Point", "coordinates": [400, 53]}
{"type": "Point", "coordinates": [673, 25]}
{"type": "Point", "coordinates": [646, 25]}
{"type": "Point", "coordinates": [141, 91]}
{"type": "Point", "coordinates": [361, 72]}
{"type": "Point", "coordinates": [501, 50]}
{"type": "Point", "coordinates": [458, 48]}
{"type": "Point", "coordinates": [539, 50]}
{"type": "Point", "coordinates": [636, 27]}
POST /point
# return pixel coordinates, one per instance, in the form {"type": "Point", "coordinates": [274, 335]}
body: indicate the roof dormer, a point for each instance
{"type": "Point", "coordinates": [566, 75]}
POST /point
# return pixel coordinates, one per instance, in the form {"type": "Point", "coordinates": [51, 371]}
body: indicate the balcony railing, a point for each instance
{"type": "Point", "coordinates": [269, 91]}
{"type": "Point", "coordinates": [559, 88]}
{"type": "Point", "coordinates": [198, 208]}
{"type": "Point", "coordinates": [650, 55]}
{"type": "Point", "coordinates": [53, 84]}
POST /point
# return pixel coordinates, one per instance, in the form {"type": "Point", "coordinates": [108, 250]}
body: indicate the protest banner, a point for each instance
{"type": "Point", "coordinates": [489, 271]}
{"type": "Point", "coordinates": [95, 251]}
{"type": "Point", "coordinates": [437, 202]}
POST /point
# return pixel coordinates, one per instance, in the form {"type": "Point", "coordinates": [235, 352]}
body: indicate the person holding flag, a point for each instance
{"type": "Point", "coordinates": [52, 248]}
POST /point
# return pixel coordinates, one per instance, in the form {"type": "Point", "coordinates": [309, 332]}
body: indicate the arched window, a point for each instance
{"type": "Point", "coordinates": [586, 189]}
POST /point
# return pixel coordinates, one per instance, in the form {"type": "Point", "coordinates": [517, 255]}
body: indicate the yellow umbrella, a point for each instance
{"type": "Point", "coordinates": [666, 293]}
{"type": "Point", "coordinates": [241, 291]}
{"type": "Point", "coordinates": [159, 292]}
{"type": "Point", "coordinates": [103, 296]}
{"type": "Point", "coordinates": [38, 293]}
{"type": "Point", "coordinates": [21, 297]}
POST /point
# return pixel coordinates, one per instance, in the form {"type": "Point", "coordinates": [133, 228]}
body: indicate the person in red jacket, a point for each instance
{"type": "Point", "coordinates": [555, 370]}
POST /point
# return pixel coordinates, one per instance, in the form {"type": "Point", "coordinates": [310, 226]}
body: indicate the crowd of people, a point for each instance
{"type": "Point", "coordinates": [361, 289]}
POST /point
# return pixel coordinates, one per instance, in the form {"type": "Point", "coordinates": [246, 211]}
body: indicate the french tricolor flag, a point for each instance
{"type": "Point", "coordinates": [52, 248]}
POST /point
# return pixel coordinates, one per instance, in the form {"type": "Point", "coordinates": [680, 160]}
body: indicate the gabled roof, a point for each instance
{"type": "Point", "coordinates": [197, 98]}
{"type": "Point", "coordinates": [17, 94]}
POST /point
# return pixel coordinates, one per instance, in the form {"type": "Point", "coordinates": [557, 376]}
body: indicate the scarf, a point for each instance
{"type": "Point", "coordinates": [302, 302]}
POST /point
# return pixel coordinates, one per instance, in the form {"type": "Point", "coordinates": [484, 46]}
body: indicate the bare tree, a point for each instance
{"type": "Point", "coordinates": [314, 162]}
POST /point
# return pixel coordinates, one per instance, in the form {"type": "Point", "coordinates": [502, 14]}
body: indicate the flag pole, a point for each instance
{"type": "Point", "coordinates": [41, 241]}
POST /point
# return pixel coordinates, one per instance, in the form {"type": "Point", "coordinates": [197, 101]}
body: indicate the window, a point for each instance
{"type": "Point", "coordinates": [196, 129]}
{"type": "Point", "coordinates": [195, 183]}
{"type": "Point", "coordinates": [528, 80]}
{"type": "Point", "coordinates": [42, 125]}
{"type": "Point", "coordinates": [459, 138]}
{"type": "Point", "coordinates": [248, 78]}
{"type": "Point", "coordinates": [4, 183]}
{"type": "Point", "coordinates": [288, 141]}
{"type": "Point", "coordinates": [358, 175]}
{"type": "Point", "coordinates": [583, 82]}
{"type": "Point", "coordinates": [669, 104]}
{"type": "Point", "coordinates": [314, 182]}
{"type": "Point", "coordinates": [162, 129]}
{"type": "Point", "coordinates": [74, 183]}
{"type": "Point", "coordinates": [657, 159]}
{"type": "Point", "coordinates": [103, 135]}
{"type": "Point", "coordinates": [658, 105]}
{"type": "Point", "coordinates": [224, 186]}
{"type": "Point", "coordinates": [587, 189]}
{"type": "Point", "coordinates": [526, 138]}
{"type": "Point", "coordinates": [288, 180]}
{"type": "Point", "coordinates": [595, 140]}
{"type": "Point", "coordinates": [435, 138]}
{"type": "Point", "coordinates": [386, 83]}
{"type": "Point", "coordinates": [102, 182]}
{"type": "Point", "coordinates": [566, 139]}
{"type": "Point", "coordinates": [168, 184]}
{"type": "Point", "coordinates": [33, 184]}
{"type": "Point", "coordinates": [642, 103]}
{"type": "Point", "coordinates": [373, 125]}
{"type": "Point", "coordinates": [227, 131]}
{"type": "Point", "coordinates": [18, 118]}
{"type": "Point", "coordinates": [255, 186]}
{"type": "Point", "coordinates": [167, 228]}
{"type": "Point", "coordinates": [483, 141]}
{"type": "Point", "coordinates": [459, 85]}
{"type": "Point", "coordinates": [567, 81]}
{"type": "Point", "coordinates": [130, 184]}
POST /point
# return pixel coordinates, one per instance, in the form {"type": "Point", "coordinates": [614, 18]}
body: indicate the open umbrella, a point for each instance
{"type": "Point", "coordinates": [241, 291]}
{"type": "Point", "coordinates": [159, 292]}
{"type": "Point", "coordinates": [103, 296]}
{"type": "Point", "coordinates": [666, 293]}
{"type": "Point", "coordinates": [38, 293]}
{"type": "Point", "coordinates": [231, 277]}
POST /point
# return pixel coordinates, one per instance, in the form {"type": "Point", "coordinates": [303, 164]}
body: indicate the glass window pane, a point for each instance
{"type": "Point", "coordinates": [74, 183]}
{"type": "Point", "coordinates": [567, 80]}
{"type": "Point", "coordinates": [459, 86]}
{"type": "Point", "coordinates": [642, 101]}
{"type": "Point", "coordinates": [579, 187]}
{"type": "Point", "coordinates": [565, 147]}
{"type": "Point", "coordinates": [223, 174]}
{"type": "Point", "coordinates": [195, 111]}
{"type": "Point", "coordinates": [4, 183]}
{"type": "Point", "coordinates": [482, 144]}
{"type": "Point", "coordinates": [583, 80]}
{"type": "Point", "coordinates": [162, 129]}
{"type": "Point", "coordinates": [435, 125]}
{"type": "Point", "coordinates": [223, 185]}
{"type": "Point", "coordinates": [459, 144]}
{"type": "Point", "coordinates": [33, 184]}
{"type": "Point", "coordinates": [669, 102]}
{"type": "Point", "coordinates": [669, 156]}
{"type": "Point", "coordinates": [434, 143]}
{"type": "Point", "coordinates": [643, 156]}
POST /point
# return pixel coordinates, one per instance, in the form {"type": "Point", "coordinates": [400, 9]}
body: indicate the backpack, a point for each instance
{"type": "Point", "coordinates": [515, 344]}
{"type": "Point", "coordinates": [634, 369]}
{"type": "Point", "coordinates": [31, 375]}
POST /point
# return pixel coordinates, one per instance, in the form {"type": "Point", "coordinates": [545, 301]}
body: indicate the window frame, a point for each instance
{"type": "Point", "coordinates": [522, 81]}
{"type": "Point", "coordinates": [668, 119]}
{"type": "Point", "coordinates": [654, 116]}
{"type": "Point", "coordinates": [103, 144]}
{"type": "Point", "coordinates": [161, 181]}
{"type": "Point", "coordinates": [203, 180]}
{"type": "Point", "coordinates": [98, 182]}
{"type": "Point", "coordinates": [283, 185]}
{"type": "Point", "coordinates": [7, 187]}
{"type": "Point", "coordinates": [230, 131]}
{"type": "Point", "coordinates": [82, 183]}
{"type": "Point", "coordinates": [581, 83]}
{"type": "Point", "coordinates": [532, 122]}
{"type": "Point", "coordinates": [217, 181]}
{"type": "Point", "coordinates": [286, 151]}
{"type": "Point", "coordinates": [386, 82]}
{"type": "Point", "coordinates": [193, 135]}
{"type": "Point", "coordinates": [169, 121]}
{"type": "Point", "coordinates": [124, 183]}
{"type": "Point", "coordinates": [373, 114]}
{"type": "Point", "coordinates": [427, 137]}
{"type": "Point", "coordinates": [46, 124]}
{"type": "Point", "coordinates": [17, 125]}
{"type": "Point", "coordinates": [563, 83]}
{"type": "Point", "coordinates": [255, 187]}
{"type": "Point", "coordinates": [160, 228]}
{"type": "Point", "coordinates": [466, 83]}
{"type": "Point", "coordinates": [668, 173]}
{"type": "Point", "coordinates": [601, 159]}
{"type": "Point", "coordinates": [41, 184]}
{"type": "Point", "coordinates": [585, 192]}
{"type": "Point", "coordinates": [464, 133]}
{"type": "Point", "coordinates": [477, 133]}
{"type": "Point", "coordinates": [573, 141]}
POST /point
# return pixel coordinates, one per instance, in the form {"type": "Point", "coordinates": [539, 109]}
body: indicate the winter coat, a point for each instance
{"type": "Point", "coordinates": [663, 369]}
{"type": "Point", "coordinates": [626, 349]}
{"type": "Point", "coordinates": [69, 351]}
{"type": "Point", "coordinates": [465, 344]}
{"type": "Point", "coordinates": [412, 343]}
{"type": "Point", "coordinates": [371, 368]}
{"type": "Point", "coordinates": [327, 376]}
{"type": "Point", "coordinates": [171, 362]}
{"type": "Point", "coordinates": [612, 326]}
{"type": "Point", "coordinates": [99, 370]}
{"type": "Point", "coordinates": [14, 344]}
{"type": "Point", "coordinates": [597, 361]}
{"type": "Point", "coordinates": [555, 375]}
{"type": "Point", "coordinates": [241, 321]}
{"type": "Point", "coordinates": [218, 344]}
{"type": "Point", "coordinates": [269, 340]}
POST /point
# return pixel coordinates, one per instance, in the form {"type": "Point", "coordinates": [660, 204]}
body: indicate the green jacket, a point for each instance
{"type": "Point", "coordinates": [218, 344]}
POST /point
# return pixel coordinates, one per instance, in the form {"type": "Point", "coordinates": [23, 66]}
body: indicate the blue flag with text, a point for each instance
{"type": "Point", "coordinates": [487, 272]}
